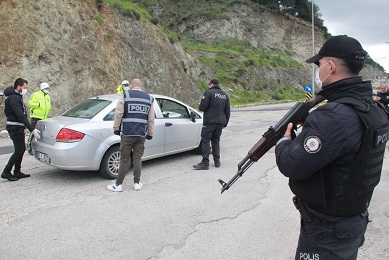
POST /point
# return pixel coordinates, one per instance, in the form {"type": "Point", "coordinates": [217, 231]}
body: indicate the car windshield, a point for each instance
{"type": "Point", "coordinates": [87, 109]}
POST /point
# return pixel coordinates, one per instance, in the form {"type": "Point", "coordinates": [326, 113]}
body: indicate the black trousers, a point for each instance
{"type": "Point", "coordinates": [34, 121]}
{"type": "Point", "coordinates": [210, 135]}
{"type": "Point", "coordinates": [331, 238]}
{"type": "Point", "coordinates": [18, 139]}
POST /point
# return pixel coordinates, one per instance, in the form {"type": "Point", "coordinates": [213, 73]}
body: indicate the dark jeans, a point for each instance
{"type": "Point", "coordinates": [128, 144]}
{"type": "Point", "coordinates": [34, 121]}
{"type": "Point", "coordinates": [331, 238]}
{"type": "Point", "coordinates": [210, 135]}
{"type": "Point", "coordinates": [17, 136]}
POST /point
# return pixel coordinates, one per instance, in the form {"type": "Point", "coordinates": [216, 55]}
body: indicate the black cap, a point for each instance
{"type": "Point", "coordinates": [342, 47]}
{"type": "Point", "coordinates": [214, 81]}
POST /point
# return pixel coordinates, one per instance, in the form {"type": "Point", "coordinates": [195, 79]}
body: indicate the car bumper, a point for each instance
{"type": "Point", "coordinates": [84, 155]}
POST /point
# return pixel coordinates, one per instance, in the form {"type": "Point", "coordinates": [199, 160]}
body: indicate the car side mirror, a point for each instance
{"type": "Point", "coordinates": [193, 116]}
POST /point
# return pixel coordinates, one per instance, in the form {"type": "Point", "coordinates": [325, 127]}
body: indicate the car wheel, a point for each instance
{"type": "Point", "coordinates": [109, 167]}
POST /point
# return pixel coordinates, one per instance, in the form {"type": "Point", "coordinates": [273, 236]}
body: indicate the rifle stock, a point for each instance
{"type": "Point", "coordinates": [295, 115]}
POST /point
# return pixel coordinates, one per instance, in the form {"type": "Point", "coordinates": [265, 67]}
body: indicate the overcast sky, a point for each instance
{"type": "Point", "coordinates": [365, 20]}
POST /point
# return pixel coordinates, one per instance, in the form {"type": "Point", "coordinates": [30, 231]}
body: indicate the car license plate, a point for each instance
{"type": "Point", "coordinates": [42, 157]}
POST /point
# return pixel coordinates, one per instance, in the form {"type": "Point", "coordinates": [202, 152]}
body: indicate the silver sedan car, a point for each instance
{"type": "Point", "coordinates": [82, 139]}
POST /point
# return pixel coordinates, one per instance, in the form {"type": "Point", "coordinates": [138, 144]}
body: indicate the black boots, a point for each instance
{"type": "Point", "coordinates": [205, 166]}
{"type": "Point", "coordinates": [9, 176]}
{"type": "Point", "coordinates": [201, 166]}
{"type": "Point", "coordinates": [17, 176]}
{"type": "Point", "coordinates": [20, 175]}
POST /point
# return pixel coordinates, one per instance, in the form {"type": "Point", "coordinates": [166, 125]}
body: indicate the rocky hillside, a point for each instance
{"type": "Point", "coordinates": [82, 51]}
{"type": "Point", "coordinates": [61, 42]}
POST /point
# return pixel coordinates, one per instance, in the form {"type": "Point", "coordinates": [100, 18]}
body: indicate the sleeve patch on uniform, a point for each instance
{"type": "Point", "coordinates": [312, 144]}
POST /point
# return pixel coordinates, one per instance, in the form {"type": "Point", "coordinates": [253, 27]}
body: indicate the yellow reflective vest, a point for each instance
{"type": "Point", "coordinates": [40, 105]}
{"type": "Point", "coordinates": [119, 89]}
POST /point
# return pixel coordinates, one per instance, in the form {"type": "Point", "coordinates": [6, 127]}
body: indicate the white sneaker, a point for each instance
{"type": "Point", "coordinates": [113, 187]}
{"type": "Point", "coordinates": [138, 186]}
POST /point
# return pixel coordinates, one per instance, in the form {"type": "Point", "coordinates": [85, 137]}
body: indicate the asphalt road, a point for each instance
{"type": "Point", "coordinates": [179, 213]}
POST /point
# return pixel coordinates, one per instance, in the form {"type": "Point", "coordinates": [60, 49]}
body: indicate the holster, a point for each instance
{"type": "Point", "coordinates": [302, 206]}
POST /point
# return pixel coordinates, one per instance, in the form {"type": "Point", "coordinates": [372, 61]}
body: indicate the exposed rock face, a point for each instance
{"type": "Point", "coordinates": [62, 43]}
{"type": "Point", "coordinates": [261, 28]}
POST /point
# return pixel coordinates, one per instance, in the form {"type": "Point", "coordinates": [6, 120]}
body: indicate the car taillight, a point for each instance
{"type": "Point", "coordinates": [68, 135]}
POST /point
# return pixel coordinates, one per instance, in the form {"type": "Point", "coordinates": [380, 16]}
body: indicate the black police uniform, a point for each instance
{"type": "Point", "coordinates": [384, 97]}
{"type": "Point", "coordinates": [333, 166]}
{"type": "Point", "coordinates": [216, 106]}
{"type": "Point", "coordinates": [16, 113]}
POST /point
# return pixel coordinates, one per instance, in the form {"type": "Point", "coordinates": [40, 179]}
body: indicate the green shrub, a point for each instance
{"type": "Point", "coordinates": [99, 18]}
{"type": "Point", "coordinates": [130, 9]}
{"type": "Point", "coordinates": [107, 37]}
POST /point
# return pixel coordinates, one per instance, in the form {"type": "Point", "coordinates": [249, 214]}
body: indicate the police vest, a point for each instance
{"type": "Point", "coordinates": [137, 105]}
{"type": "Point", "coordinates": [346, 190]}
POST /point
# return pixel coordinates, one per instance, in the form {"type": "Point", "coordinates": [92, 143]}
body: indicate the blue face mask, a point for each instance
{"type": "Point", "coordinates": [126, 88]}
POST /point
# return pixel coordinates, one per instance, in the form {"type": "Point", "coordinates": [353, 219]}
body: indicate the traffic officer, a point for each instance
{"type": "Point", "coordinates": [215, 104]}
{"type": "Point", "coordinates": [335, 162]}
{"type": "Point", "coordinates": [122, 87]}
{"type": "Point", "coordinates": [16, 114]}
{"type": "Point", "coordinates": [134, 122]}
{"type": "Point", "coordinates": [40, 106]}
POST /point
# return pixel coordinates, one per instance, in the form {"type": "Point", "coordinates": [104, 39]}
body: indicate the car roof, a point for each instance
{"type": "Point", "coordinates": [114, 97]}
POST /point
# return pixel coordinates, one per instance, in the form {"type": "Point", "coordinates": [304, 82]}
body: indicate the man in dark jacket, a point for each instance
{"type": "Point", "coordinates": [335, 162]}
{"type": "Point", "coordinates": [215, 104]}
{"type": "Point", "coordinates": [17, 121]}
{"type": "Point", "coordinates": [383, 94]}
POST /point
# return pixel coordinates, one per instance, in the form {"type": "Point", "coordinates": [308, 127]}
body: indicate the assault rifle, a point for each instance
{"type": "Point", "coordinates": [296, 115]}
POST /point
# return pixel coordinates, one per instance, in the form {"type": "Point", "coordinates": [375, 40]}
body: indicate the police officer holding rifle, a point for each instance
{"type": "Point", "coordinates": [334, 164]}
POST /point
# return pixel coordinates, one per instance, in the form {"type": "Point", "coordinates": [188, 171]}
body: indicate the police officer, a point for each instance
{"type": "Point", "coordinates": [216, 106]}
{"type": "Point", "coordinates": [17, 121]}
{"type": "Point", "coordinates": [40, 106]}
{"type": "Point", "coordinates": [334, 164]}
{"type": "Point", "coordinates": [134, 121]}
{"type": "Point", "coordinates": [122, 87]}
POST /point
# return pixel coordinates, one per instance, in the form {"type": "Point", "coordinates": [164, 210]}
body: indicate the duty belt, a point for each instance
{"type": "Point", "coordinates": [14, 123]}
{"type": "Point", "coordinates": [301, 206]}
{"type": "Point", "coordinates": [309, 216]}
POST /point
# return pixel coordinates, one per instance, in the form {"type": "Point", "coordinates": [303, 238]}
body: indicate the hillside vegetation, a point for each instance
{"type": "Point", "coordinates": [241, 64]}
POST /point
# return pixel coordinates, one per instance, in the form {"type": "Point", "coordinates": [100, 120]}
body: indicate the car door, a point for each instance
{"type": "Point", "coordinates": [181, 133]}
{"type": "Point", "coordinates": [154, 147]}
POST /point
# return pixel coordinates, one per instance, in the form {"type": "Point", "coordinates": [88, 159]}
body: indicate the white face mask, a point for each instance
{"type": "Point", "coordinates": [46, 91]}
{"type": "Point", "coordinates": [24, 92]}
{"type": "Point", "coordinates": [318, 81]}
{"type": "Point", "coordinates": [126, 88]}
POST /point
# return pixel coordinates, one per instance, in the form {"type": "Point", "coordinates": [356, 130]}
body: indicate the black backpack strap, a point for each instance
{"type": "Point", "coordinates": [357, 103]}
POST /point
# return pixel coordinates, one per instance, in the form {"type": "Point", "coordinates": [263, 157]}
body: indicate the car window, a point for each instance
{"type": "Point", "coordinates": [110, 116]}
{"type": "Point", "coordinates": [87, 109]}
{"type": "Point", "coordinates": [197, 116]}
{"type": "Point", "coordinates": [171, 109]}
